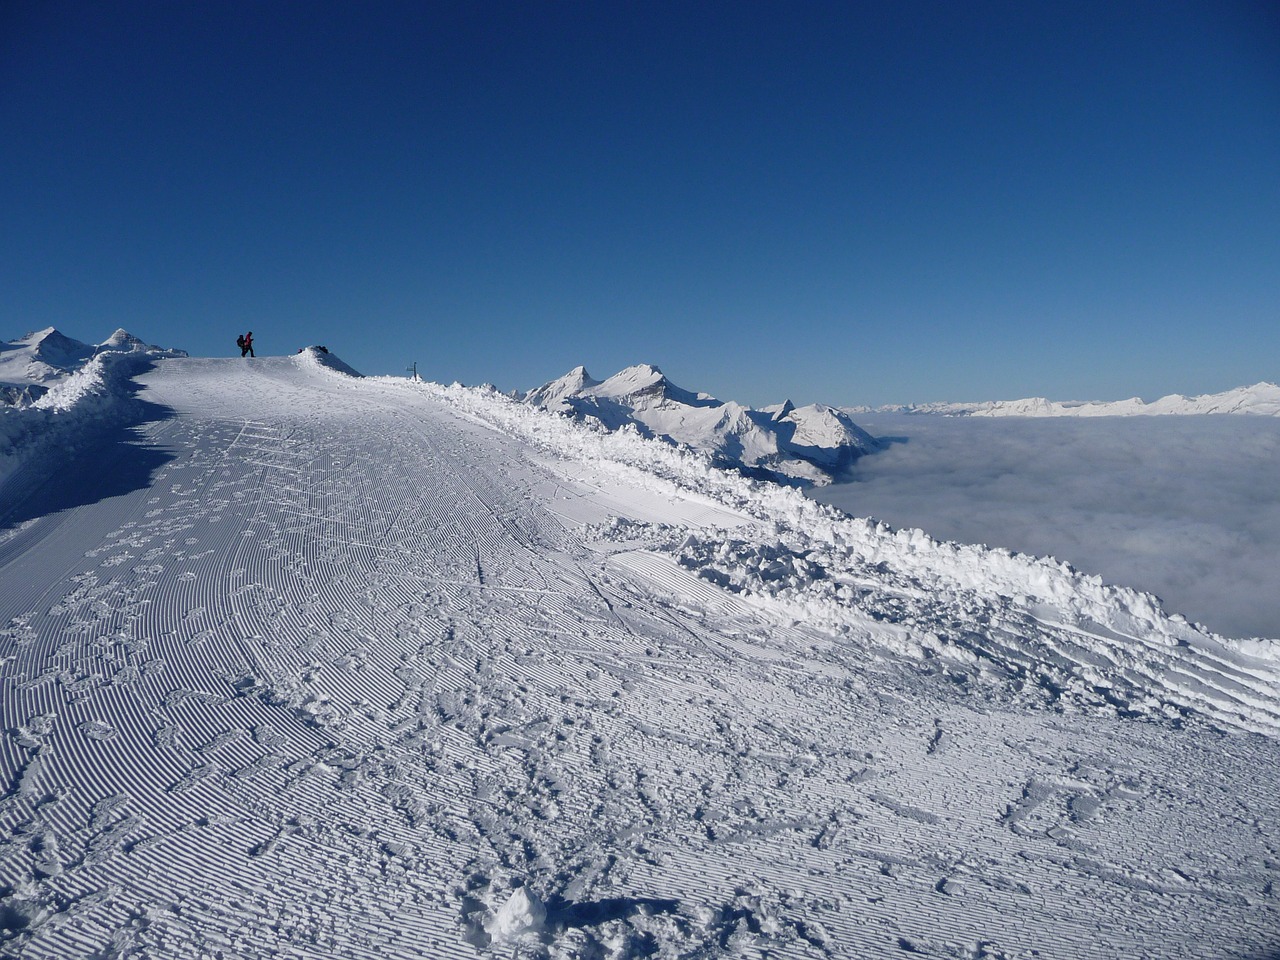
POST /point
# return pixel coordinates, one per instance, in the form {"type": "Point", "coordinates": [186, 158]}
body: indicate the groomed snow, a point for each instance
{"type": "Point", "coordinates": [302, 664]}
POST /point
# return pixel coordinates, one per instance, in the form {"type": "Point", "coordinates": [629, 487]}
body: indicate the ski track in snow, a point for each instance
{"type": "Point", "coordinates": [359, 675]}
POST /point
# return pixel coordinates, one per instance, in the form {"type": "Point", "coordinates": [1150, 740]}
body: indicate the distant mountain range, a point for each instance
{"type": "Point", "coordinates": [1261, 399]}
{"type": "Point", "coordinates": [812, 444]}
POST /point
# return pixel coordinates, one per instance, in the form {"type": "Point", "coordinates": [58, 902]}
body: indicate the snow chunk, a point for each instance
{"type": "Point", "coordinates": [522, 915]}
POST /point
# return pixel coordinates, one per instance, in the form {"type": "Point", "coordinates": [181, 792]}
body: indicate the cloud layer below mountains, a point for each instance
{"type": "Point", "coordinates": [1187, 508]}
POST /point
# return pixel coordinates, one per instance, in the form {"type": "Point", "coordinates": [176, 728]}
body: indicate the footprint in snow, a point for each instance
{"type": "Point", "coordinates": [97, 730]}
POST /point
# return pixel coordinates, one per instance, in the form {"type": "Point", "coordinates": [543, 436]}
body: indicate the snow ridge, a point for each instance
{"type": "Point", "coordinates": [812, 444]}
{"type": "Point", "coordinates": [1023, 619]}
{"type": "Point", "coordinates": [57, 387]}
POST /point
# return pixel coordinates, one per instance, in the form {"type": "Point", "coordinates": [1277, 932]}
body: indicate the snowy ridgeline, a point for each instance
{"type": "Point", "coordinates": [813, 556]}
{"type": "Point", "coordinates": [814, 563]}
{"type": "Point", "coordinates": [47, 370]}
{"type": "Point", "coordinates": [813, 444]}
{"type": "Point", "coordinates": [53, 388]}
{"type": "Point", "coordinates": [1261, 399]}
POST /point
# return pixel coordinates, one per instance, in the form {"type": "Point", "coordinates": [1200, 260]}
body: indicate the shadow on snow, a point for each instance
{"type": "Point", "coordinates": [84, 462]}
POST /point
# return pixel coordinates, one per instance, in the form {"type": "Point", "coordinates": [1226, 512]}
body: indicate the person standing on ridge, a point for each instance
{"type": "Point", "coordinates": [246, 345]}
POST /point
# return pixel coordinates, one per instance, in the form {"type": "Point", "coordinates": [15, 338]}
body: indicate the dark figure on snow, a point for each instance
{"type": "Point", "coordinates": [245, 343]}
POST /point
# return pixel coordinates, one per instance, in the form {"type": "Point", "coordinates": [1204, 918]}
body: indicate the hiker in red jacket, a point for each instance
{"type": "Point", "coordinates": [245, 344]}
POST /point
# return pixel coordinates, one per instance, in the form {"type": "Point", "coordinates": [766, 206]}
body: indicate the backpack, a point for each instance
{"type": "Point", "coordinates": [240, 341]}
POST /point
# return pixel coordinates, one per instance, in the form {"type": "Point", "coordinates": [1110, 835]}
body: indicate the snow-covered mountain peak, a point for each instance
{"type": "Point", "coordinates": [122, 339]}
{"type": "Point", "coordinates": [812, 445]}
{"type": "Point", "coordinates": [782, 411]}
{"type": "Point", "coordinates": [821, 426]}
{"type": "Point", "coordinates": [644, 380]}
{"type": "Point", "coordinates": [32, 363]}
{"type": "Point", "coordinates": [50, 348]}
{"type": "Point", "coordinates": [550, 396]}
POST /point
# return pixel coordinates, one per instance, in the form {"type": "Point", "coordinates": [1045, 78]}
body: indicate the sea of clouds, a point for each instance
{"type": "Point", "coordinates": [1187, 508]}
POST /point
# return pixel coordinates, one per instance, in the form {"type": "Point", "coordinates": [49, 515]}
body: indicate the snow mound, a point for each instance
{"type": "Point", "coordinates": [320, 357]}
{"type": "Point", "coordinates": [812, 444]}
{"type": "Point", "coordinates": [1261, 399]}
{"type": "Point", "coordinates": [521, 916]}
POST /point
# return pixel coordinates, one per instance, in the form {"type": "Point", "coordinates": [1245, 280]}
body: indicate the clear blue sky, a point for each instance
{"type": "Point", "coordinates": [840, 202]}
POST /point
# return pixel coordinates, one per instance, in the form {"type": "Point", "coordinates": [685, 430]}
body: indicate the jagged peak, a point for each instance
{"type": "Point", "coordinates": [36, 336]}
{"type": "Point", "coordinates": [579, 377]}
{"type": "Point", "coordinates": [555, 391]}
{"type": "Point", "coordinates": [120, 338]}
{"type": "Point", "coordinates": [52, 348]}
{"type": "Point", "coordinates": [637, 376]}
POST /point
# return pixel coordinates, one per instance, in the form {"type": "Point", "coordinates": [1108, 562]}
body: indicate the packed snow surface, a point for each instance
{"type": "Point", "coordinates": [811, 444]}
{"type": "Point", "coordinates": [301, 664]}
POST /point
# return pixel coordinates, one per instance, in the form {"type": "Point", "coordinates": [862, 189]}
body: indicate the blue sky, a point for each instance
{"type": "Point", "coordinates": [838, 202]}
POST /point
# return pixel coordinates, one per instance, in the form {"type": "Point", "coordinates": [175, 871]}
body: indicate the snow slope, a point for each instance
{"type": "Point", "coordinates": [812, 444]}
{"type": "Point", "coordinates": [299, 664]}
{"type": "Point", "coordinates": [1261, 399]}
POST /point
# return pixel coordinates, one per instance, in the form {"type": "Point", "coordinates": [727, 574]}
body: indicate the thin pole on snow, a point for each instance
{"type": "Point", "coordinates": [414, 369]}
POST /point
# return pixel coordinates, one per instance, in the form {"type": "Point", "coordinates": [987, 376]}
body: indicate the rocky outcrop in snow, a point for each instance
{"type": "Point", "coordinates": [812, 444]}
